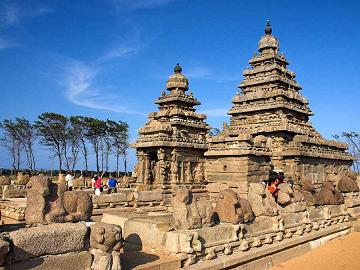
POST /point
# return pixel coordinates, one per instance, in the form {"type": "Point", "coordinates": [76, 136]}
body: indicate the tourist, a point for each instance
{"type": "Point", "coordinates": [69, 181]}
{"type": "Point", "coordinates": [97, 185]}
{"type": "Point", "coordinates": [111, 183]}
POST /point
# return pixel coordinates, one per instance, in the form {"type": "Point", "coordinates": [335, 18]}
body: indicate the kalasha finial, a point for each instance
{"type": "Point", "coordinates": [268, 29]}
{"type": "Point", "coordinates": [177, 68]}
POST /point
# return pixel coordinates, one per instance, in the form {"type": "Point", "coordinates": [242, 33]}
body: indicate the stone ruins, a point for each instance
{"type": "Point", "coordinates": [194, 200]}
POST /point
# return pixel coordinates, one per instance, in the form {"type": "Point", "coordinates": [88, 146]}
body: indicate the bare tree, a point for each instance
{"type": "Point", "coordinates": [95, 131]}
{"type": "Point", "coordinates": [27, 138]}
{"type": "Point", "coordinates": [11, 141]}
{"type": "Point", "coordinates": [353, 140]}
{"type": "Point", "coordinates": [118, 134]}
{"type": "Point", "coordinates": [79, 124]}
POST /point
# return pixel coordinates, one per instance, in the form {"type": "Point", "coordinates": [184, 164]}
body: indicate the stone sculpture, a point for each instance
{"type": "Point", "coordinates": [189, 213]}
{"type": "Point", "coordinates": [308, 190]}
{"type": "Point", "coordinates": [262, 202]}
{"type": "Point", "coordinates": [48, 202]}
{"type": "Point", "coordinates": [106, 237]}
{"type": "Point", "coordinates": [230, 208]}
{"type": "Point", "coordinates": [22, 179]}
{"type": "Point", "coordinates": [329, 196]}
{"type": "Point", "coordinates": [348, 184]}
{"type": "Point", "coordinates": [5, 180]}
{"type": "Point", "coordinates": [4, 248]}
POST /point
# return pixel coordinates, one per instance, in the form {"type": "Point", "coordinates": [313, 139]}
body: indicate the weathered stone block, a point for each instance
{"type": "Point", "coordinates": [48, 240]}
{"type": "Point", "coordinates": [148, 196]}
{"type": "Point", "coordinates": [70, 261]}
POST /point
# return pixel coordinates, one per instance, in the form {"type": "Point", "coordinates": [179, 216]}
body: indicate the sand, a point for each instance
{"type": "Point", "coordinates": [342, 253]}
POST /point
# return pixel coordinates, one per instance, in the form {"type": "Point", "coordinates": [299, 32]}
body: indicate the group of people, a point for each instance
{"type": "Point", "coordinates": [275, 179]}
{"type": "Point", "coordinates": [96, 184]}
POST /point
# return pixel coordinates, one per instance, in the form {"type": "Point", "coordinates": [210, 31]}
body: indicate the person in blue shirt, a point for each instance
{"type": "Point", "coordinates": [112, 183]}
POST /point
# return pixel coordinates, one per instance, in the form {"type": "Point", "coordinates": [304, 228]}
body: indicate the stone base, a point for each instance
{"type": "Point", "coordinates": [69, 261]}
{"type": "Point", "coordinates": [268, 256]}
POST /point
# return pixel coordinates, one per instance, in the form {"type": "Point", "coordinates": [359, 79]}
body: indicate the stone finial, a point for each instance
{"type": "Point", "coordinates": [177, 80]}
{"type": "Point", "coordinates": [268, 29]}
{"type": "Point", "coordinates": [268, 41]}
{"type": "Point", "coordinates": [177, 68]}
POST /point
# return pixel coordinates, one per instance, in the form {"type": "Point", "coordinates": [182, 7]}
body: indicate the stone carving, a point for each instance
{"type": "Point", "coordinates": [348, 184]}
{"type": "Point", "coordinates": [4, 248]}
{"type": "Point", "coordinates": [230, 208]}
{"type": "Point", "coordinates": [285, 194]}
{"type": "Point", "coordinates": [22, 179]}
{"type": "Point", "coordinates": [262, 202]}
{"type": "Point", "coordinates": [308, 190]}
{"type": "Point", "coordinates": [48, 202]}
{"type": "Point", "coordinates": [328, 195]}
{"type": "Point", "coordinates": [189, 213]}
{"type": "Point", "coordinates": [106, 237]}
{"type": "Point", "coordinates": [5, 180]}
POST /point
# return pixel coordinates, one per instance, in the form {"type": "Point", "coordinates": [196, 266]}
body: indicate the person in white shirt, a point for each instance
{"type": "Point", "coordinates": [69, 181]}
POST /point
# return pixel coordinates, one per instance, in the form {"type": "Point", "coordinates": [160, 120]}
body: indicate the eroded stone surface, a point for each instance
{"type": "Point", "coordinates": [48, 240]}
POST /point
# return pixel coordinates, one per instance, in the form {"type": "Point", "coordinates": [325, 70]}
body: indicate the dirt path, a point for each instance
{"type": "Point", "coordinates": [342, 253]}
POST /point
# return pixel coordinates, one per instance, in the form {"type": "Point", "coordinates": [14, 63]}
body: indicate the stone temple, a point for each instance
{"type": "Point", "coordinates": [197, 201]}
{"type": "Point", "coordinates": [269, 130]}
{"type": "Point", "coordinates": [171, 146]}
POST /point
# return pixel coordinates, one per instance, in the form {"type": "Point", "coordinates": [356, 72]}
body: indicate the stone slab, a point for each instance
{"type": "Point", "coordinates": [70, 261]}
{"type": "Point", "coordinates": [50, 239]}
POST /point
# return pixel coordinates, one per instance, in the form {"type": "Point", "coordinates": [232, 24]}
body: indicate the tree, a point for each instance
{"type": "Point", "coordinates": [79, 124]}
{"type": "Point", "coordinates": [27, 138]}
{"type": "Point", "coordinates": [353, 140]}
{"type": "Point", "coordinates": [51, 129]}
{"type": "Point", "coordinates": [118, 134]}
{"type": "Point", "coordinates": [73, 138]}
{"type": "Point", "coordinates": [11, 140]}
{"type": "Point", "coordinates": [95, 130]}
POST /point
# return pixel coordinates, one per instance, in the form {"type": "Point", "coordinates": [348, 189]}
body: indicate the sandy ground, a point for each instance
{"type": "Point", "coordinates": [342, 253]}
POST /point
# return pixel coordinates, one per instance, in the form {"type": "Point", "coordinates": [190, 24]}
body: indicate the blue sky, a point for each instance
{"type": "Point", "coordinates": [111, 58]}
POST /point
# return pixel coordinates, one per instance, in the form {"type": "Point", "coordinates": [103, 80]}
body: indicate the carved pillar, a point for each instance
{"type": "Point", "coordinates": [174, 168]}
{"type": "Point", "coordinates": [147, 171]}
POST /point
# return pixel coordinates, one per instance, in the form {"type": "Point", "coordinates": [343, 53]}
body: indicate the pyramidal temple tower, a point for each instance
{"type": "Point", "coordinates": [170, 148]}
{"type": "Point", "coordinates": [270, 129]}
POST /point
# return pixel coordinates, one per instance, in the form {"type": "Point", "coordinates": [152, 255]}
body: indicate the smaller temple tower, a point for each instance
{"type": "Point", "coordinates": [170, 148]}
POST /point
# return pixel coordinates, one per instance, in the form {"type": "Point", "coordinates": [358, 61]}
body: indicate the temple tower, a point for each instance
{"type": "Point", "coordinates": [269, 128]}
{"type": "Point", "coordinates": [170, 148]}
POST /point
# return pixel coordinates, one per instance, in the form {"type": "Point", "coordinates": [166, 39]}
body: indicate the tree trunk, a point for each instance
{"type": "Point", "coordinates": [125, 163]}
{"type": "Point", "coordinates": [117, 165]}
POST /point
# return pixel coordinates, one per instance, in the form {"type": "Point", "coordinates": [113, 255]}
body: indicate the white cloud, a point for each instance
{"type": "Point", "coordinates": [11, 13]}
{"type": "Point", "coordinates": [142, 4]}
{"type": "Point", "coordinates": [82, 91]}
{"type": "Point", "coordinates": [7, 44]}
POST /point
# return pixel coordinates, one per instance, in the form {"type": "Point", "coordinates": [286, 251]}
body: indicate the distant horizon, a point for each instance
{"type": "Point", "coordinates": [112, 59]}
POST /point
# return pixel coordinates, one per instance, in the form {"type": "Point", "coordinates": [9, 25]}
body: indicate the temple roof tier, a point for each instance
{"type": "Point", "coordinates": [265, 94]}
{"type": "Point", "coordinates": [237, 109]}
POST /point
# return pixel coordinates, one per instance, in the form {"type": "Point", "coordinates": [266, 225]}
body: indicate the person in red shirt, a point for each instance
{"type": "Point", "coordinates": [97, 185]}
